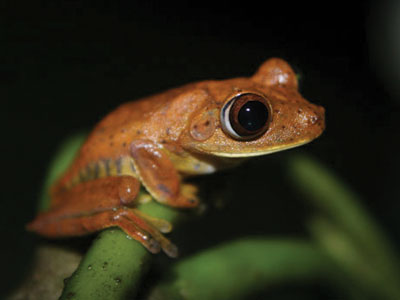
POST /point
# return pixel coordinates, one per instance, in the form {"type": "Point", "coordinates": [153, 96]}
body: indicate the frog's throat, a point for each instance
{"type": "Point", "coordinates": [261, 152]}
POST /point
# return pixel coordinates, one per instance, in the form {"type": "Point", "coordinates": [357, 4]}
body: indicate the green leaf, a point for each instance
{"type": "Point", "coordinates": [346, 230]}
{"type": "Point", "coordinates": [239, 268]}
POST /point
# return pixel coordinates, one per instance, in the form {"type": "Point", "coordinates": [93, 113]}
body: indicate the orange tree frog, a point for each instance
{"type": "Point", "coordinates": [160, 140]}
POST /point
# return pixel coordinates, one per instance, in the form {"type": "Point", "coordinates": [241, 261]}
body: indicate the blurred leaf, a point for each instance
{"type": "Point", "coordinates": [346, 230]}
{"type": "Point", "coordinates": [239, 268]}
{"type": "Point", "coordinates": [59, 164]}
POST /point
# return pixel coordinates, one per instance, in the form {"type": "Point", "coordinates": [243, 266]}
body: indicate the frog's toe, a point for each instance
{"type": "Point", "coordinates": [171, 250]}
{"type": "Point", "coordinates": [160, 224]}
{"type": "Point", "coordinates": [157, 242]}
{"type": "Point", "coordinates": [190, 192]}
{"type": "Point", "coordinates": [152, 245]}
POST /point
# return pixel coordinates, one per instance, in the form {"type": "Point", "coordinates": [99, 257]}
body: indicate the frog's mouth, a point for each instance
{"type": "Point", "coordinates": [271, 150]}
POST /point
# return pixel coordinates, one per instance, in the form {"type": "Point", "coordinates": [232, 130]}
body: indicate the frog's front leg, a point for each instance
{"type": "Point", "coordinates": [160, 177]}
{"type": "Point", "coordinates": [105, 202]}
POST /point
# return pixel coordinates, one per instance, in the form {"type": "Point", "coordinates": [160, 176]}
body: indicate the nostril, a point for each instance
{"type": "Point", "coordinates": [314, 119]}
{"type": "Point", "coordinates": [310, 116]}
{"type": "Point", "coordinates": [315, 115]}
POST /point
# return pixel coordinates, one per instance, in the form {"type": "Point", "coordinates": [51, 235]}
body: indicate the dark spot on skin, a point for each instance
{"type": "Point", "coordinates": [138, 132]}
{"type": "Point", "coordinates": [107, 166]}
{"type": "Point", "coordinates": [277, 111]}
{"type": "Point", "coordinates": [111, 144]}
{"type": "Point", "coordinates": [299, 111]}
{"type": "Point", "coordinates": [132, 166]}
{"type": "Point", "coordinates": [124, 144]}
{"type": "Point", "coordinates": [101, 129]}
{"type": "Point", "coordinates": [163, 141]}
{"type": "Point", "coordinates": [123, 130]}
{"type": "Point", "coordinates": [89, 173]}
{"type": "Point", "coordinates": [96, 171]}
{"type": "Point", "coordinates": [195, 126]}
{"type": "Point", "coordinates": [119, 165]}
{"type": "Point", "coordinates": [283, 126]}
{"type": "Point", "coordinates": [164, 188]}
{"type": "Point", "coordinates": [82, 176]}
{"type": "Point", "coordinates": [111, 136]}
{"type": "Point", "coordinates": [207, 123]}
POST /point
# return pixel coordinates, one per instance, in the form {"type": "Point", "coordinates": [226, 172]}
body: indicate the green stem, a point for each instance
{"type": "Point", "coordinates": [113, 266]}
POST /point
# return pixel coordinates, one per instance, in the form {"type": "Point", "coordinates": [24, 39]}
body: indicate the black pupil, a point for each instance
{"type": "Point", "coordinates": [253, 115]}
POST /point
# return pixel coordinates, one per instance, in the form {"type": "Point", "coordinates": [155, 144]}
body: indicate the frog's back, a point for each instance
{"type": "Point", "coordinates": [106, 150]}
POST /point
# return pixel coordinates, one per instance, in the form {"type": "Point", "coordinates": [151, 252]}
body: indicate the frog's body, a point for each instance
{"type": "Point", "coordinates": [158, 141]}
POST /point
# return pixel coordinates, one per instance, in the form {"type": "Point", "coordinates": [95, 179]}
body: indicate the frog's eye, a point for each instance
{"type": "Point", "coordinates": [245, 116]}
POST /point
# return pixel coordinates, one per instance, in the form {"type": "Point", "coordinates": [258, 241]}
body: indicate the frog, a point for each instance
{"type": "Point", "coordinates": [158, 142]}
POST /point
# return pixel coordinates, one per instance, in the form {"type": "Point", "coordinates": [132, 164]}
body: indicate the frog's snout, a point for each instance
{"type": "Point", "coordinates": [318, 114]}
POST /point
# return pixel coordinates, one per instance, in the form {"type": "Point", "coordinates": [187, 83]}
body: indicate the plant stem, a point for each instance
{"type": "Point", "coordinates": [113, 266]}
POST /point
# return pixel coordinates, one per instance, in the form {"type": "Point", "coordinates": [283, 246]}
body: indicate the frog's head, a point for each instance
{"type": "Point", "coordinates": [245, 117]}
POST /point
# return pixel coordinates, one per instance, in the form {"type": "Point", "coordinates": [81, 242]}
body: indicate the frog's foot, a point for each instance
{"type": "Point", "coordinates": [189, 193]}
{"type": "Point", "coordinates": [142, 228]}
{"type": "Point", "coordinates": [160, 177]}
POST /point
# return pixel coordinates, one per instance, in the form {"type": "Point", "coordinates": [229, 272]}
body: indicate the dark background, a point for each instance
{"type": "Point", "coordinates": [65, 64]}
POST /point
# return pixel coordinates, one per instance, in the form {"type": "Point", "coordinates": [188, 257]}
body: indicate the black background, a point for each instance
{"type": "Point", "coordinates": [65, 64]}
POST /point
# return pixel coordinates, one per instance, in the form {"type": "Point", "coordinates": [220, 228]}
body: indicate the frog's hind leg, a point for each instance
{"type": "Point", "coordinates": [102, 203]}
{"type": "Point", "coordinates": [135, 226]}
